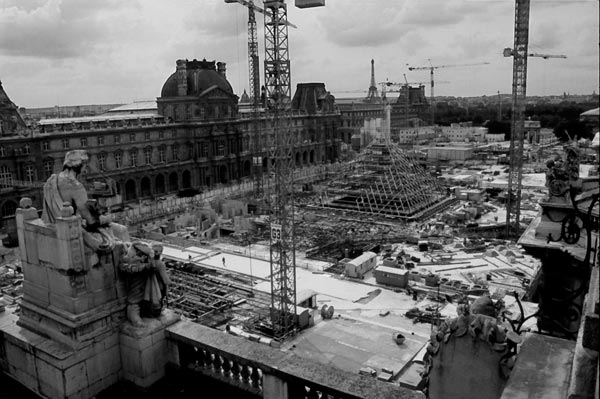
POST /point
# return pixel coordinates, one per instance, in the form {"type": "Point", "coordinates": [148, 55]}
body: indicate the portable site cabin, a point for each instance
{"type": "Point", "coordinates": [391, 276]}
{"type": "Point", "coordinates": [359, 266]}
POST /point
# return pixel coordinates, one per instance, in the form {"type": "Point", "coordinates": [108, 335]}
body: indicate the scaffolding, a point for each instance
{"type": "Point", "coordinates": [388, 182]}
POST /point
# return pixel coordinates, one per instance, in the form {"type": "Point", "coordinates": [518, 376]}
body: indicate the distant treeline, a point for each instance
{"type": "Point", "coordinates": [559, 117]}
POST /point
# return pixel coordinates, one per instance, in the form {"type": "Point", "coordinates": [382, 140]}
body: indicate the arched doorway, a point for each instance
{"type": "Point", "coordinates": [130, 192]}
{"type": "Point", "coordinates": [187, 179]}
{"type": "Point", "coordinates": [173, 182]}
{"type": "Point", "coordinates": [223, 173]}
{"type": "Point", "coordinates": [145, 187]}
{"type": "Point", "coordinates": [312, 156]}
{"type": "Point", "coordinates": [305, 157]}
{"type": "Point", "coordinates": [160, 184]}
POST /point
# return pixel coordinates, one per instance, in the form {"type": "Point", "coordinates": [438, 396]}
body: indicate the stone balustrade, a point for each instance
{"type": "Point", "coordinates": [267, 372]}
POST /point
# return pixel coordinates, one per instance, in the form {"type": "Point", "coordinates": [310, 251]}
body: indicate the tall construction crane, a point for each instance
{"type": "Point", "coordinates": [431, 68]}
{"type": "Point", "coordinates": [519, 85]}
{"type": "Point", "coordinates": [279, 142]}
{"type": "Point", "coordinates": [281, 163]}
{"type": "Point", "coordinates": [254, 91]}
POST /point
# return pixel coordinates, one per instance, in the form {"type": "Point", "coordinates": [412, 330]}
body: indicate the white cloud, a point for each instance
{"type": "Point", "coordinates": [83, 51]}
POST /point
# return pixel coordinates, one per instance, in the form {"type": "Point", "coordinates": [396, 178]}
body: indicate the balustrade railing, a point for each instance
{"type": "Point", "coordinates": [267, 372]}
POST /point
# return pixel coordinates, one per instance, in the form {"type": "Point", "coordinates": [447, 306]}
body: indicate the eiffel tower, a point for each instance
{"type": "Point", "coordinates": [372, 96]}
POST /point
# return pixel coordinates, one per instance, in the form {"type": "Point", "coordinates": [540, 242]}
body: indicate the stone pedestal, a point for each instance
{"type": "Point", "coordinates": [144, 349]}
{"type": "Point", "coordinates": [54, 370]}
{"type": "Point", "coordinates": [71, 339]}
{"type": "Point", "coordinates": [69, 294]}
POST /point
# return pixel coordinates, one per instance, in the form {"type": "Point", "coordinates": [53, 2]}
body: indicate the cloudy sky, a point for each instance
{"type": "Point", "coordinates": [69, 52]}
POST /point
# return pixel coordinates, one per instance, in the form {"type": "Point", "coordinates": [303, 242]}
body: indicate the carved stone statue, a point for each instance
{"type": "Point", "coordinates": [99, 232]}
{"type": "Point", "coordinates": [140, 264]}
{"type": "Point", "coordinates": [146, 279]}
{"type": "Point", "coordinates": [561, 175]}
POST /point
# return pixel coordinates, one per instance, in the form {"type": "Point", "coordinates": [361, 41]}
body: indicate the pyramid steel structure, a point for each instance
{"type": "Point", "coordinates": [386, 181]}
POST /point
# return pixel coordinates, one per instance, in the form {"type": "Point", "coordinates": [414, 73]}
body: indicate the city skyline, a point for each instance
{"type": "Point", "coordinates": [69, 52]}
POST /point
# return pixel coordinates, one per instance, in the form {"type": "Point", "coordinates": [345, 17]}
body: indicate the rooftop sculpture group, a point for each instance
{"type": "Point", "coordinates": [140, 265]}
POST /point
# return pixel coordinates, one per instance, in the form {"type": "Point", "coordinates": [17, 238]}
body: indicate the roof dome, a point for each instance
{"type": "Point", "coordinates": [200, 76]}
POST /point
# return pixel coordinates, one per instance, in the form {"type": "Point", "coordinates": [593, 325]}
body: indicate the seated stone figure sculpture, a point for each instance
{"type": "Point", "coordinates": [140, 265]}
{"type": "Point", "coordinates": [100, 233]}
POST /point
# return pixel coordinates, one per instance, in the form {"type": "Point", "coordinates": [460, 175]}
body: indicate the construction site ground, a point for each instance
{"type": "Point", "coordinates": [367, 314]}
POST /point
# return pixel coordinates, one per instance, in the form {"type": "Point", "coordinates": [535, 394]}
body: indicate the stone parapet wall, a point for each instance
{"type": "Point", "coordinates": [266, 371]}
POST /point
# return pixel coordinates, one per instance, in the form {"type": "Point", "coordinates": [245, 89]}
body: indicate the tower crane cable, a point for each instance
{"type": "Point", "coordinates": [431, 68]}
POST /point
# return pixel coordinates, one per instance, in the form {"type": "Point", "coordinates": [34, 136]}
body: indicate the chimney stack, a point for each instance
{"type": "Point", "coordinates": [182, 88]}
{"type": "Point", "coordinates": [221, 69]}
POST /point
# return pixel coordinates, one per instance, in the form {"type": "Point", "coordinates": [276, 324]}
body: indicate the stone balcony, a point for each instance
{"type": "Point", "coordinates": [266, 372]}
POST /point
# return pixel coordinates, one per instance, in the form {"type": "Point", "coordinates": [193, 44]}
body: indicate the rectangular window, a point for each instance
{"type": "Point", "coordinates": [48, 168]}
{"type": "Point", "coordinates": [100, 140]}
{"type": "Point", "coordinates": [148, 155]}
{"type": "Point", "coordinates": [132, 137]}
{"type": "Point", "coordinates": [46, 145]}
{"type": "Point", "coordinates": [133, 157]}
{"type": "Point", "coordinates": [161, 155]}
{"type": "Point", "coordinates": [118, 161]}
{"type": "Point", "coordinates": [161, 135]}
{"type": "Point", "coordinates": [102, 161]}
{"type": "Point", "coordinates": [117, 139]}
{"type": "Point", "coordinates": [84, 142]}
{"type": "Point", "coordinates": [221, 148]}
{"type": "Point", "coordinates": [147, 136]}
{"type": "Point", "coordinates": [204, 150]}
{"type": "Point", "coordinates": [5, 176]}
{"type": "Point", "coordinates": [65, 143]}
{"type": "Point", "coordinates": [26, 149]}
{"type": "Point", "coordinates": [175, 150]}
{"type": "Point", "coordinates": [29, 173]}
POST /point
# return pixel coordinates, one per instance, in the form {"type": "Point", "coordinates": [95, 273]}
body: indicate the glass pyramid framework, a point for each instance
{"type": "Point", "coordinates": [386, 181]}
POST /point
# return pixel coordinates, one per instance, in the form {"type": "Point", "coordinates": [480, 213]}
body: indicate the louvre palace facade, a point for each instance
{"type": "Point", "coordinates": [196, 135]}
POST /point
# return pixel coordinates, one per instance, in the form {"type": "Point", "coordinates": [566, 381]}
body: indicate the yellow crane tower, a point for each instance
{"type": "Point", "coordinates": [431, 68]}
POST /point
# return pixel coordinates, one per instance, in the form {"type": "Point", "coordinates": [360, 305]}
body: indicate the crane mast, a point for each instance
{"type": "Point", "coordinates": [253, 68]}
{"type": "Point", "coordinates": [281, 142]}
{"type": "Point", "coordinates": [255, 96]}
{"type": "Point", "coordinates": [519, 84]}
